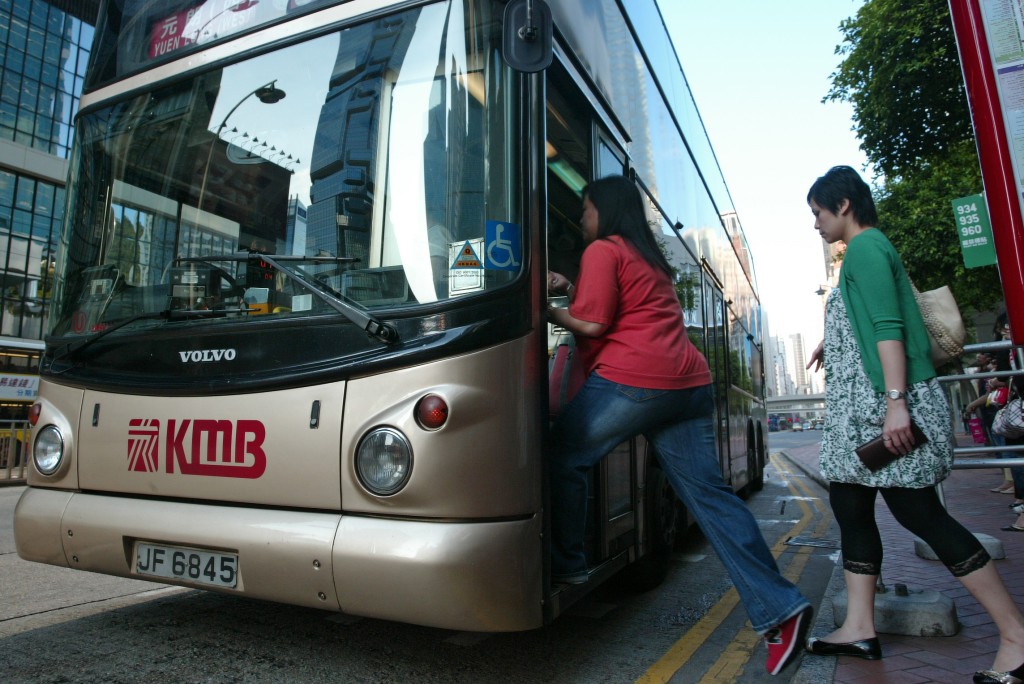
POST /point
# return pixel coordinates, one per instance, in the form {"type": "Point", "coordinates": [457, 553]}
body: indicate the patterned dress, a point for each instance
{"type": "Point", "coordinates": [855, 413]}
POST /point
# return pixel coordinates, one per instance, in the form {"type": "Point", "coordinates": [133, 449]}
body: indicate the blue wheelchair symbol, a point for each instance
{"type": "Point", "coordinates": [504, 247]}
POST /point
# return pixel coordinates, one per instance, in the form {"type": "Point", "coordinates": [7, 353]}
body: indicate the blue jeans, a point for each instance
{"type": "Point", "coordinates": [680, 426]}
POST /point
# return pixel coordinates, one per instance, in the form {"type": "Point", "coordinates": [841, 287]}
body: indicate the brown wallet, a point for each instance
{"type": "Point", "coordinates": [874, 454]}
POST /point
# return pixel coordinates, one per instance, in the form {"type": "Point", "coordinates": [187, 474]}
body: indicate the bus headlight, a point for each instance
{"type": "Point", "coordinates": [48, 450]}
{"type": "Point", "coordinates": [384, 461]}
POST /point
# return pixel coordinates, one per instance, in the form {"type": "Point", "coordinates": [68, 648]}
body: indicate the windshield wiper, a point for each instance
{"type": "Point", "coordinates": [72, 348]}
{"type": "Point", "coordinates": [78, 345]}
{"type": "Point", "coordinates": [374, 327]}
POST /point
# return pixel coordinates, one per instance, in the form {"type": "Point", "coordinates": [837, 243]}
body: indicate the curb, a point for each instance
{"type": "Point", "coordinates": [812, 473]}
{"type": "Point", "coordinates": [814, 670]}
{"type": "Point", "coordinates": [817, 669]}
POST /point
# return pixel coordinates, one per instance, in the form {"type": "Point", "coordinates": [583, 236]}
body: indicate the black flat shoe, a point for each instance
{"type": "Point", "coordinates": [868, 649]}
{"type": "Point", "coordinates": [993, 677]}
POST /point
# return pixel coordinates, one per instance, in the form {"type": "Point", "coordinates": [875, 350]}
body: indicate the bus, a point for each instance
{"type": "Point", "coordinates": [297, 348]}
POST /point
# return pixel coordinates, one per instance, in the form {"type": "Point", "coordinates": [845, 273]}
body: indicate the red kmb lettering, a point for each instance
{"type": "Point", "coordinates": [143, 445]}
{"type": "Point", "coordinates": [218, 448]}
{"type": "Point", "coordinates": [175, 449]}
{"type": "Point", "coordinates": [249, 438]}
{"type": "Point", "coordinates": [212, 429]}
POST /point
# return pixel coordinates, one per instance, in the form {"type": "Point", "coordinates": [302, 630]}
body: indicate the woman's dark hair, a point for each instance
{"type": "Point", "coordinates": [620, 211]}
{"type": "Point", "coordinates": [997, 328]}
{"type": "Point", "coordinates": [842, 182]}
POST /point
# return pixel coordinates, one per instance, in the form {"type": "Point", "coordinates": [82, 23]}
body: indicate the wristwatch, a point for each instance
{"type": "Point", "coordinates": [895, 394]}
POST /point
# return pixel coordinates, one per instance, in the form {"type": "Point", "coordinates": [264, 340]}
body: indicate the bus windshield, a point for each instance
{"type": "Point", "coordinates": [378, 176]}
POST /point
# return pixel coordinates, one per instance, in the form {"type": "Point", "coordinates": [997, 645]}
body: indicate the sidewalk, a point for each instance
{"type": "Point", "coordinates": [926, 659]}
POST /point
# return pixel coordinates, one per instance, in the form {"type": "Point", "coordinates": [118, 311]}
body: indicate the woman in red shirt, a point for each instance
{"type": "Point", "coordinates": [645, 377]}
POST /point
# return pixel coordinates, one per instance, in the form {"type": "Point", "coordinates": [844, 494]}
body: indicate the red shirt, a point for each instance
{"type": "Point", "coordinates": [645, 344]}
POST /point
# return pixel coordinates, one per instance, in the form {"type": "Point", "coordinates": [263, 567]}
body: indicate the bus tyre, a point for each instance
{"type": "Point", "coordinates": [755, 462]}
{"type": "Point", "coordinates": [661, 514]}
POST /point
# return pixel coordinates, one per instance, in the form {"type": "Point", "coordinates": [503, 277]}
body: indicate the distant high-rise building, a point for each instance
{"type": "Point", "coordinates": [295, 230]}
{"type": "Point", "coordinates": [803, 381]}
{"type": "Point", "coordinates": [771, 371]}
{"type": "Point", "coordinates": [780, 363]}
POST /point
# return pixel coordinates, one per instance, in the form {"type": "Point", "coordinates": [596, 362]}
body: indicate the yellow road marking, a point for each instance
{"type": "Point", "coordinates": [732, 661]}
{"type": "Point", "coordinates": [680, 653]}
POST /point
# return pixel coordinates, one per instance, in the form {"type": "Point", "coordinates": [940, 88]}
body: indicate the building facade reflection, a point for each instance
{"type": "Point", "coordinates": [45, 48]}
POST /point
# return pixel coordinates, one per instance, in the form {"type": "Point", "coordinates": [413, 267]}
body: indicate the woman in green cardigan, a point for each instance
{"type": "Point", "coordinates": [879, 376]}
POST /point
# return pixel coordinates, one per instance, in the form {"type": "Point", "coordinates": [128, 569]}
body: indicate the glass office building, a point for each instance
{"type": "Point", "coordinates": [44, 48]}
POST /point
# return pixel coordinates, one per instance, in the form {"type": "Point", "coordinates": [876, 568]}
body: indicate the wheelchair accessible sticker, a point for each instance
{"type": "Point", "coordinates": [504, 246]}
{"type": "Point", "coordinates": [501, 249]}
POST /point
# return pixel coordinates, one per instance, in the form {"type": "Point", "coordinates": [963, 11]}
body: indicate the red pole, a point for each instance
{"type": "Point", "coordinates": [1001, 195]}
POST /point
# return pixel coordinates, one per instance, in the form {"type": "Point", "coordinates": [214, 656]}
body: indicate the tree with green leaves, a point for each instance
{"type": "Point", "coordinates": [901, 73]}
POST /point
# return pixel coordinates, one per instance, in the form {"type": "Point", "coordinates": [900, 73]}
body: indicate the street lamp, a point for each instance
{"type": "Point", "coordinates": [268, 93]}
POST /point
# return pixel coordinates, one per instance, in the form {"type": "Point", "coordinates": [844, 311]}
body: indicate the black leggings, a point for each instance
{"type": "Point", "coordinates": [918, 510]}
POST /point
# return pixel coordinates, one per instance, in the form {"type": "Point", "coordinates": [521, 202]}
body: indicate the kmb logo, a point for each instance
{"type": "Point", "coordinates": [212, 448]}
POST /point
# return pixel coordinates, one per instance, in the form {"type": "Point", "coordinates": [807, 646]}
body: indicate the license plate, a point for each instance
{"type": "Point", "coordinates": [187, 565]}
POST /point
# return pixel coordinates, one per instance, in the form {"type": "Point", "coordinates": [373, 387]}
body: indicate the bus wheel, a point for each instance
{"type": "Point", "coordinates": [661, 514]}
{"type": "Point", "coordinates": [755, 463]}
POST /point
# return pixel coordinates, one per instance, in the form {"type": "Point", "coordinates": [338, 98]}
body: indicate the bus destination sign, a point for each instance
{"type": "Point", "coordinates": [202, 22]}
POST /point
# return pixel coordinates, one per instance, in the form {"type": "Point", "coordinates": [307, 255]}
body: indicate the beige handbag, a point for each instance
{"type": "Point", "coordinates": [945, 325]}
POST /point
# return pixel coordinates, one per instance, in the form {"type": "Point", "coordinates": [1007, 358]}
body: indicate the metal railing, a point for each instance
{"type": "Point", "coordinates": [15, 436]}
{"type": "Point", "coordinates": [977, 463]}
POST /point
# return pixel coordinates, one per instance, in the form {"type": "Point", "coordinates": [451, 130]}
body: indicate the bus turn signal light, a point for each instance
{"type": "Point", "coordinates": [33, 413]}
{"type": "Point", "coordinates": [431, 412]}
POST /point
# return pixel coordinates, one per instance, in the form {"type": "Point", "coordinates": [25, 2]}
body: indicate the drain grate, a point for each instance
{"type": "Point", "coordinates": [807, 541]}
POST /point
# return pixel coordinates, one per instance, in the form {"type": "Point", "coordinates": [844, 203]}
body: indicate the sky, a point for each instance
{"type": "Point", "coordinates": [759, 71]}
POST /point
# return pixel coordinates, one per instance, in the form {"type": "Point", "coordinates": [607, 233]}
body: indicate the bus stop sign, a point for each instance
{"type": "Point", "coordinates": [975, 231]}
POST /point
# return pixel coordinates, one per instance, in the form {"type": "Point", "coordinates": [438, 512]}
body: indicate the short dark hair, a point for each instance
{"type": "Point", "coordinates": [843, 183]}
{"type": "Point", "coordinates": [997, 328]}
{"type": "Point", "coordinates": [620, 211]}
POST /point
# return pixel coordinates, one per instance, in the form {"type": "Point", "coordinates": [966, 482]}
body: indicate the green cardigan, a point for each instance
{"type": "Point", "coordinates": [881, 306]}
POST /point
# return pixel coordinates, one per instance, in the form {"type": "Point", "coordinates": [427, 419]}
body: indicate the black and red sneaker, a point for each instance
{"type": "Point", "coordinates": [785, 641]}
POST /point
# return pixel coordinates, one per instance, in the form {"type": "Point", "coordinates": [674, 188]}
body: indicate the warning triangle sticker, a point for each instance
{"type": "Point", "coordinates": [467, 257]}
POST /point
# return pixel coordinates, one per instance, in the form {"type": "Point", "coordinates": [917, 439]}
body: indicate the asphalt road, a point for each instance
{"type": "Point", "coordinates": [59, 625]}
{"type": "Point", "coordinates": [787, 438]}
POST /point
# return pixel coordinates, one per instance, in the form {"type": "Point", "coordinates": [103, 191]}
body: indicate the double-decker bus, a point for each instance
{"type": "Point", "coordinates": [297, 347]}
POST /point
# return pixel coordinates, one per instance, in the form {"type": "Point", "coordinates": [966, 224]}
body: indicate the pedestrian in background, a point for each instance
{"type": "Point", "coordinates": [878, 378]}
{"type": "Point", "coordinates": [1009, 386]}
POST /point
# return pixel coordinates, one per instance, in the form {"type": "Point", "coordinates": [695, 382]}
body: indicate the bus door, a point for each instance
{"type": "Point", "coordinates": [717, 353]}
{"type": "Point", "coordinates": [619, 473]}
{"type": "Point", "coordinates": [576, 153]}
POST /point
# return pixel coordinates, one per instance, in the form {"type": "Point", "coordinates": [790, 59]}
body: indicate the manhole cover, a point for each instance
{"type": "Point", "coordinates": [820, 543]}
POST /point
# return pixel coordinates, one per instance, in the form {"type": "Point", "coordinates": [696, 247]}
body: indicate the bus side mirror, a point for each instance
{"type": "Point", "coordinates": [526, 40]}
